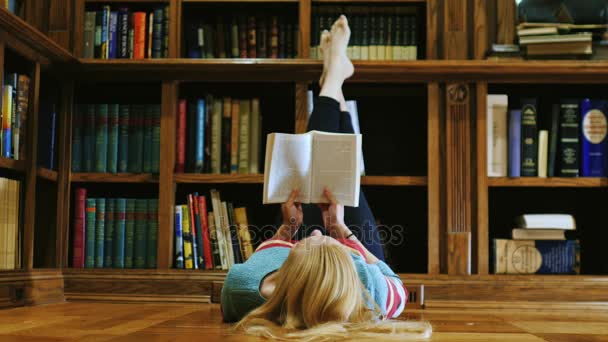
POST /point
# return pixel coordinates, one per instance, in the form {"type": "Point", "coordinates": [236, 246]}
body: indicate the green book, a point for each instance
{"type": "Point", "coordinates": [155, 138]}
{"type": "Point", "coordinates": [244, 131]}
{"type": "Point", "coordinates": [119, 232]}
{"type": "Point", "coordinates": [152, 242]}
{"type": "Point", "coordinates": [88, 139]}
{"type": "Point", "coordinates": [101, 138]}
{"type": "Point", "coordinates": [77, 139]}
{"type": "Point", "coordinates": [123, 138]}
{"type": "Point", "coordinates": [108, 253]}
{"type": "Point", "coordinates": [139, 256]}
{"type": "Point", "coordinates": [147, 158]}
{"type": "Point", "coordinates": [129, 233]}
{"type": "Point", "coordinates": [113, 138]}
{"type": "Point", "coordinates": [100, 220]}
{"type": "Point", "coordinates": [136, 138]}
{"type": "Point", "coordinates": [89, 249]}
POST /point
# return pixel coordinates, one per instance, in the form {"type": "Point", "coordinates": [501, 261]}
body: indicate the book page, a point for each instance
{"type": "Point", "coordinates": [288, 161]}
{"type": "Point", "coordinates": [336, 164]}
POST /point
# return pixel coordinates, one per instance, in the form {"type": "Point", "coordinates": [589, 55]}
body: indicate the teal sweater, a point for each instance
{"type": "Point", "coordinates": [241, 291]}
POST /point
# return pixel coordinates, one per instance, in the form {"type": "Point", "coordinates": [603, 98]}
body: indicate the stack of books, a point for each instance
{"type": "Point", "coordinates": [114, 232]}
{"type": "Point", "coordinates": [242, 36]}
{"type": "Point", "coordinates": [552, 42]}
{"type": "Point", "coordinates": [15, 102]}
{"type": "Point", "coordinates": [10, 235]}
{"type": "Point", "coordinates": [219, 135]}
{"type": "Point", "coordinates": [575, 145]}
{"type": "Point", "coordinates": [210, 239]}
{"type": "Point", "coordinates": [116, 138]}
{"type": "Point", "coordinates": [539, 246]}
{"type": "Point", "coordinates": [121, 33]}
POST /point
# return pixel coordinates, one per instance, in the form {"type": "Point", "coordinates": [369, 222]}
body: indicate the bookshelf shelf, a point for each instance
{"type": "Point", "coordinates": [12, 164]}
{"type": "Point", "coordinates": [47, 174]}
{"type": "Point", "coordinates": [240, 1]}
{"type": "Point", "coordinates": [557, 182]}
{"type": "Point", "coordinates": [259, 179]}
{"type": "Point", "coordinates": [372, 1]}
{"type": "Point", "coordinates": [125, 1]}
{"type": "Point", "coordinates": [114, 178]}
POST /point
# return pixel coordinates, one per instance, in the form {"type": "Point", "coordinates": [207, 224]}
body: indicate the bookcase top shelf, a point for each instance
{"type": "Point", "coordinates": [306, 70]}
{"type": "Point", "coordinates": [114, 178]}
{"type": "Point", "coordinates": [557, 182]}
{"type": "Point", "coordinates": [12, 164]}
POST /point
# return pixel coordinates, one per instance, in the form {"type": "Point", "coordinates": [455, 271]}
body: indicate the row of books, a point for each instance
{"type": "Point", "coordinates": [211, 239]}
{"type": "Point", "coordinates": [10, 234]}
{"type": "Point", "coordinates": [574, 146]}
{"type": "Point", "coordinates": [15, 101]}
{"type": "Point", "coordinates": [252, 36]}
{"type": "Point", "coordinates": [539, 246]}
{"type": "Point", "coordinates": [114, 232]}
{"type": "Point", "coordinates": [14, 6]}
{"type": "Point", "coordinates": [116, 138]}
{"type": "Point", "coordinates": [387, 34]}
{"type": "Point", "coordinates": [219, 135]}
{"type": "Point", "coordinates": [121, 33]}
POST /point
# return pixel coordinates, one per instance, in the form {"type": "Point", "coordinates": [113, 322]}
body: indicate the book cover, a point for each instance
{"type": "Point", "coordinates": [123, 138]}
{"type": "Point", "coordinates": [77, 138]}
{"type": "Point", "coordinates": [569, 131]}
{"type": "Point", "coordinates": [147, 148]}
{"type": "Point", "coordinates": [152, 239]}
{"type": "Point", "coordinates": [553, 138]}
{"type": "Point", "coordinates": [529, 137]}
{"type": "Point", "coordinates": [199, 161]}
{"type": "Point", "coordinates": [112, 138]}
{"type": "Point", "coordinates": [497, 135]}
{"type": "Point", "coordinates": [141, 233]}
{"type": "Point", "coordinates": [180, 147]}
{"type": "Point", "coordinates": [255, 136]}
{"type": "Point", "coordinates": [7, 112]}
{"type": "Point", "coordinates": [88, 49]}
{"type": "Point", "coordinates": [206, 243]}
{"type": "Point", "coordinates": [105, 32]}
{"type": "Point", "coordinates": [120, 217]}
{"type": "Point", "coordinates": [100, 228]}
{"type": "Point", "coordinates": [139, 35]}
{"type": "Point", "coordinates": [108, 251]}
{"type": "Point", "coordinates": [536, 257]}
{"type": "Point", "coordinates": [113, 35]}
{"type": "Point", "coordinates": [179, 241]}
{"type": "Point", "coordinates": [187, 236]}
{"type": "Point", "coordinates": [130, 233]}
{"type": "Point", "coordinates": [243, 232]}
{"type": "Point", "coordinates": [101, 138]}
{"type": "Point", "coordinates": [88, 139]}
{"type": "Point", "coordinates": [216, 136]}
{"type": "Point", "coordinates": [234, 137]}
{"type": "Point", "coordinates": [226, 134]}
{"type": "Point", "coordinates": [515, 143]}
{"type": "Point", "coordinates": [123, 33]}
{"type": "Point", "coordinates": [155, 152]}
{"type": "Point", "coordinates": [90, 226]}
{"type": "Point", "coordinates": [593, 147]}
{"type": "Point", "coordinates": [79, 223]}
{"type": "Point", "coordinates": [244, 132]}
{"type": "Point", "coordinates": [157, 33]}
{"type": "Point", "coordinates": [217, 261]}
{"type": "Point", "coordinates": [543, 137]}
{"type": "Point", "coordinates": [234, 235]}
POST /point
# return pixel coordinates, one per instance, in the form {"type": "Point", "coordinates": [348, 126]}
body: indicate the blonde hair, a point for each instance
{"type": "Point", "coordinates": [319, 296]}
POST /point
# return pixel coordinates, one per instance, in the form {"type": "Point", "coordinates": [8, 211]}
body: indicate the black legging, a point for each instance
{"type": "Point", "coordinates": [326, 116]}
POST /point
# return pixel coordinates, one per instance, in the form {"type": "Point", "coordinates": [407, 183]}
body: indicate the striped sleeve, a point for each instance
{"type": "Point", "coordinates": [397, 293]}
{"type": "Point", "coordinates": [275, 243]}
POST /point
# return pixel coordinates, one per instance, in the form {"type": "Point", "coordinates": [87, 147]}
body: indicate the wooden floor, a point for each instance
{"type": "Point", "coordinates": [201, 322]}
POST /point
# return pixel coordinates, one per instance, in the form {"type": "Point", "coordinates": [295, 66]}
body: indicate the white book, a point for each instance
{"type": "Point", "coordinates": [311, 161]}
{"type": "Point", "coordinates": [538, 234]}
{"type": "Point", "coordinates": [546, 221]}
{"type": "Point", "coordinates": [497, 140]}
{"type": "Point", "coordinates": [543, 150]}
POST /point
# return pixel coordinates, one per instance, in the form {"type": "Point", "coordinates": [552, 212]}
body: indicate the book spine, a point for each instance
{"type": "Point", "coordinates": [100, 228]}
{"type": "Point", "coordinates": [88, 50]}
{"type": "Point", "coordinates": [529, 138]}
{"type": "Point", "coordinates": [108, 252]}
{"type": "Point", "coordinates": [113, 138]}
{"type": "Point", "coordinates": [413, 38]}
{"type": "Point", "coordinates": [569, 138]}
{"type": "Point", "coordinates": [155, 167]}
{"type": "Point", "coordinates": [543, 137]}
{"type": "Point", "coordinates": [11, 79]}
{"type": "Point", "coordinates": [101, 138]}
{"type": "Point", "coordinates": [594, 130]}
{"type": "Point", "coordinates": [255, 135]}
{"type": "Point", "coordinates": [220, 49]}
{"type": "Point", "coordinates": [152, 241]}
{"type": "Point", "coordinates": [130, 233]}
{"type": "Point", "coordinates": [88, 152]}
{"type": "Point", "coordinates": [180, 147]}
{"type": "Point", "coordinates": [553, 138]}
{"type": "Point", "coordinates": [216, 135]}
{"type": "Point", "coordinates": [373, 38]}
{"type": "Point", "coordinates": [209, 43]}
{"type": "Point", "coordinates": [251, 38]}
{"type": "Point", "coordinates": [78, 240]}
{"type": "Point", "coordinates": [234, 235]}
{"type": "Point", "coordinates": [140, 241]}
{"type": "Point", "coordinates": [207, 148]}
{"type": "Point", "coordinates": [217, 261]}
{"type": "Point", "coordinates": [123, 33]}
{"type": "Point", "coordinates": [274, 37]}
{"type": "Point", "coordinates": [234, 137]}
{"type": "Point", "coordinates": [157, 33]}
{"type": "Point", "coordinates": [149, 34]}
{"type": "Point", "coordinates": [23, 91]}
{"type": "Point", "coordinates": [381, 40]}
{"type": "Point", "coordinates": [105, 30]}
{"type": "Point", "coordinates": [192, 220]}
{"type": "Point", "coordinates": [497, 135]}
{"type": "Point", "coordinates": [187, 236]}
{"type": "Point", "coordinates": [283, 39]}
{"type": "Point", "coordinates": [7, 109]}
{"type": "Point", "coordinates": [90, 226]}
{"type": "Point", "coordinates": [289, 42]}
{"type": "Point", "coordinates": [113, 36]}
{"type": "Point", "coordinates": [147, 157]}
{"type": "Point", "coordinates": [198, 225]}
{"type": "Point", "coordinates": [200, 136]}
{"type": "Point", "coordinates": [138, 154]}
{"type": "Point", "coordinates": [119, 233]}
{"type": "Point", "coordinates": [77, 138]}
{"type": "Point", "coordinates": [242, 22]}
{"type": "Point", "coordinates": [397, 37]}
{"type": "Point", "coordinates": [244, 234]}
{"type": "Point", "coordinates": [166, 27]}
{"type": "Point", "coordinates": [206, 243]}
{"type": "Point", "coordinates": [234, 38]}
{"type": "Point", "coordinates": [515, 143]}
{"type": "Point", "coordinates": [219, 233]}
{"type": "Point", "coordinates": [228, 252]}
{"type": "Point", "coordinates": [244, 132]}
{"type": "Point", "coordinates": [97, 40]}
{"type": "Point", "coordinates": [131, 36]}
{"type": "Point", "coordinates": [139, 35]}
{"type": "Point", "coordinates": [226, 134]}
{"type": "Point", "coordinates": [390, 36]}
{"type": "Point", "coordinates": [123, 138]}
{"type": "Point", "coordinates": [195, 41]}
{"type": "Point", "coordinates": [179, 241]}
{"type": "Point", "coordinates": [365, 36]}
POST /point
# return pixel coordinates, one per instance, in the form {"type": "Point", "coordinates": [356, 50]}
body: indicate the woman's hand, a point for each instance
{"type": "Point", "coordinates": [292, 217]}
{"type": "Point", "coordinates": [333, 216]}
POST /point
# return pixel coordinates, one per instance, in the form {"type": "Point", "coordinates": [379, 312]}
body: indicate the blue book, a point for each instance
{"type": "Point", "coordinates": [141, 233]}
{"type": "Point", "coordinates": [179, 240]}
{"type": "Point", "coordinates": [130, 233]}
{"type": "Point", "coordinates": [90, 225]}
{"type": "Point", "coordinates": [113, 138]}
{"type": "Point", "coordinates": [101, 138]}
{"type": "Point", "coordinates": [113, 35]}
{"type": "Point", "coordinates": [108, 253]}
{"type": "Point", "coordinates": [77, 138]}
{"type": "Point", "coordinates": [12, 6]}
{"type": "Point", "coordinates": [514, 143]}
{"type": "Point", "coordinates": [88, 139]}
{"type": "Point", "coordinates": [199, 161]}
{"type": "Point", "coordinates": [119, 232]}
{"type": "Point", "coordinates": [123, 138]}
{"type": "Point", "coordinates": [593, 151]}
{"type": "Point", "coordinates": [100, 228]}
{"type": "Point", "coordinates": [536, 256]}
{"type": "Point", "coordinates": [123, 33]}
{"type": "Point", "coordinates": [105, 28]}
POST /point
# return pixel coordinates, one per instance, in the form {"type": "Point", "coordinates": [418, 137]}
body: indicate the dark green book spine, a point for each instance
{"type": "Point", "coordinates": [113, 138]}
{"type": "Point", "coordinates": [390, 36]}
{"type": "Point", "coordinates": [551, 158]}
{"type": "Point", "coordinates": [397, 37]}
{"type": "Point", "coordinates": [123, 138]}
{"type": "Point", "coordinates": [88, 152]}
{"type": "Point", "coordinates": [100, 229]}
{"type": "Point", "coordinates": [119, 232]}
{"type": "Point", "coordinates": [108, 253]}
{"type": "Point", "coordinates": [101, 138]}
{"type": "Point", "coordinates": [414, 35]}
{"type": "Point", "coordinates": [166, 25]}
{"type": "Point", "coordinates": [529, 138]}
{"type": "Point", "coordinates": [89, 249]}
{"type": "Point", "coordinates": [365, 36]}
{"type": "Point", "coordinates": [141, 208]}
{"type": "Point", "coordinates": [129, 233]}
{"type": "Point", "coordinates": [138, 150]}
{"type": "Point", "coordinates": [569, 144]}
{"type": "Point", "coordinates": [147, 158]}
{"type": "Point", "coordinates": [152, 243]}
{"type": "Point", "coordinates": [77, 139]}
{"type": "Point", "coordinates": [155, 138]}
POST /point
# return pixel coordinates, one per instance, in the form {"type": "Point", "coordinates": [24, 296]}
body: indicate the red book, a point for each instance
{"type": "Point", "coordinates": [79, 228]}
{"type": "Point", "coordinates": [202, 209]}
{"type": "Point", "coordinates": [180, 163]}
{"type": "Point", "coordinates": [139, 33]}
{"type": "Point", "coordinates": [191, 206]}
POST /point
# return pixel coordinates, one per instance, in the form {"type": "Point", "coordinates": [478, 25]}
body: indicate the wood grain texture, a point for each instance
{"type": "Point", "coordinates": [44, 173]}
{"type": "Point", "coordinates": [34, 287]}
{"type": "Point", "coordinates": [66, 113]}
{"type": "Point", "coordinates": [175, 28]}
{"type": "Point", "coordinates": [554, 182]}
{"type": "Point", "coordinates": [481, 210]}
{"type": "Point", "coordinates": [78, 29]}
{"type": "Point", "coordinates": [433, 11]}
{"type": "Point", "coordinates": [506, 20]}
{"type": "Point", "coordinates": [12, 164]}
{"type": "Point", "coordinates": [480, 29]}
{"type": "Point", "coordinates": [85, 177]}
{"type": "Point", "coordinates": [301, 106]}
{"type": "Point", "coordinates": [455, 33]}
{"type": "Point", "coordinates": [435, 167]}
{"type": "Point", "coordinates": [304, 13]}
{"type": "Point", "coordinates": [59, 22]}
{"type": "Point", "coordinates": [416, 2]}
{"type": "Point", "coordinates": [459, 253]}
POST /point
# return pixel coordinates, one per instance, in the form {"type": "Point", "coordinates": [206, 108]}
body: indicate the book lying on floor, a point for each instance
{"type": "Point", "coordinates": [311, 161]}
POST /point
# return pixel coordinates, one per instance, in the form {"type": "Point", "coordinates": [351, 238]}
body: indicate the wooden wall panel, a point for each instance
{"type": "Point", "coordinates": [480, 29]}
{"type": "Point", "coordinates": [304, 28]}
{"type": "Point", "coordinates": [301, 107]}
{"type": "Point", "coordinates": [506, 19]}
{"type": "Point", "coordinates": [78, 28]}
{"type": "Point", "coordinates": [64, 173]}
{"type": "Point", "coordinates": [481, 208]}
{"type": "Point", "coordinates": [60, 19]}
{"type": "Point", "coordinates": [436, 159]}
{"type": "Point", "coordinates": [433, 22]}
{"type": "Point", "coordinates": [19, 288]}
{"type": "Point", "coordinates": [455, 37]}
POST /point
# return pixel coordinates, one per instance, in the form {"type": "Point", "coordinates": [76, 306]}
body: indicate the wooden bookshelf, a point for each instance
{"type": "Point", "coordinates": [12, 164]}
{"type": "Point", "coordinates": [44, 173]}
{"type": "Point", "coordinates": [259, 179]}
{"type": "Point", "coordinates": [556, 182]}
{"type": "Point", "coordinates": [114, 177]}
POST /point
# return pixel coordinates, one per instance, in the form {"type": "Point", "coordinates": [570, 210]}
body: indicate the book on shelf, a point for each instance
{"type": "Point", "coordinates": [116, 138]}
{"type": "Point", "coordinates": [538, 234]}
{"type": "Point", "coordinates": [122, 33]}
{"type": "Point", "coordinates": [546, 221]}
{"type": "Point", "coordinates": [543, 151]}
{"type": "Point", "coordinates": [514, 147]}
{"type": "Point", "coordinates": [15, 102]}
{"type": "Point", "coordinates": [529, 138]}
{"type": "Point", "coordinates": [10, 236]}
{"type": "Point", "coordinates": [311, 161]}
{"type": "Point", "coordinates": [569, 141]}
{"type": "Point", "coordinates": [554, 42]}
{"type": "Point", "coordinates": [536, 256]}
{"type": "Point", "coordinates": [594, 129]}
{"type": "Point", "coordinates": [497, 135]}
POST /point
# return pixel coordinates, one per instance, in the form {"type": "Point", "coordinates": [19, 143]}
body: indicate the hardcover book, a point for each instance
{"type": "Point", "coordinates": [101, 138]}
{"type": "Point", "coordinates": [529, 138]}
{"type": "Point", "coordinates": [91, 216]}
{"type": "Point", "coordinates": [100, 229]}
{"type": "Point", "coordinates": [497, 135]}
{"type": "Point", "coordinates": [515, 143]}
{"type": "Point", "coordinates": [78, 240]}
{"type": "Point", "coordinates": [113, 138]}
{"type": "Point", "coordinates": [108, 254]}
{"type": "Point", "coordinates": [141, 233]}
{"type": "Point", "coordinates": [152, 240]}
{"type": "Point", "coordinates": [123, 138]}
{"type": "Point", "coordinates": [179, 241]}
{"type": "Point", "coordinates": [569, 132]}
{"type": "Point", "coordinates": [594, 128]}
{"type": "Point", "coordinates": [130, 233]}
{"type": "Point", "coordinates": [536, 257]}
{"type": "Point", "coordinates": [120, 217]}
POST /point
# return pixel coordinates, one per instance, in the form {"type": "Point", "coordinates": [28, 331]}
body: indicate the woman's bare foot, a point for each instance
{"type": "Point", "coordinates": [325, 52]}
{"type": "Point", "coordinates": [338, 60]}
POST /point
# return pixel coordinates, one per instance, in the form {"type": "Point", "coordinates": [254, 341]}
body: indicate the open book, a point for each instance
{"type": "Point", "coordinates": [311, 161]}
